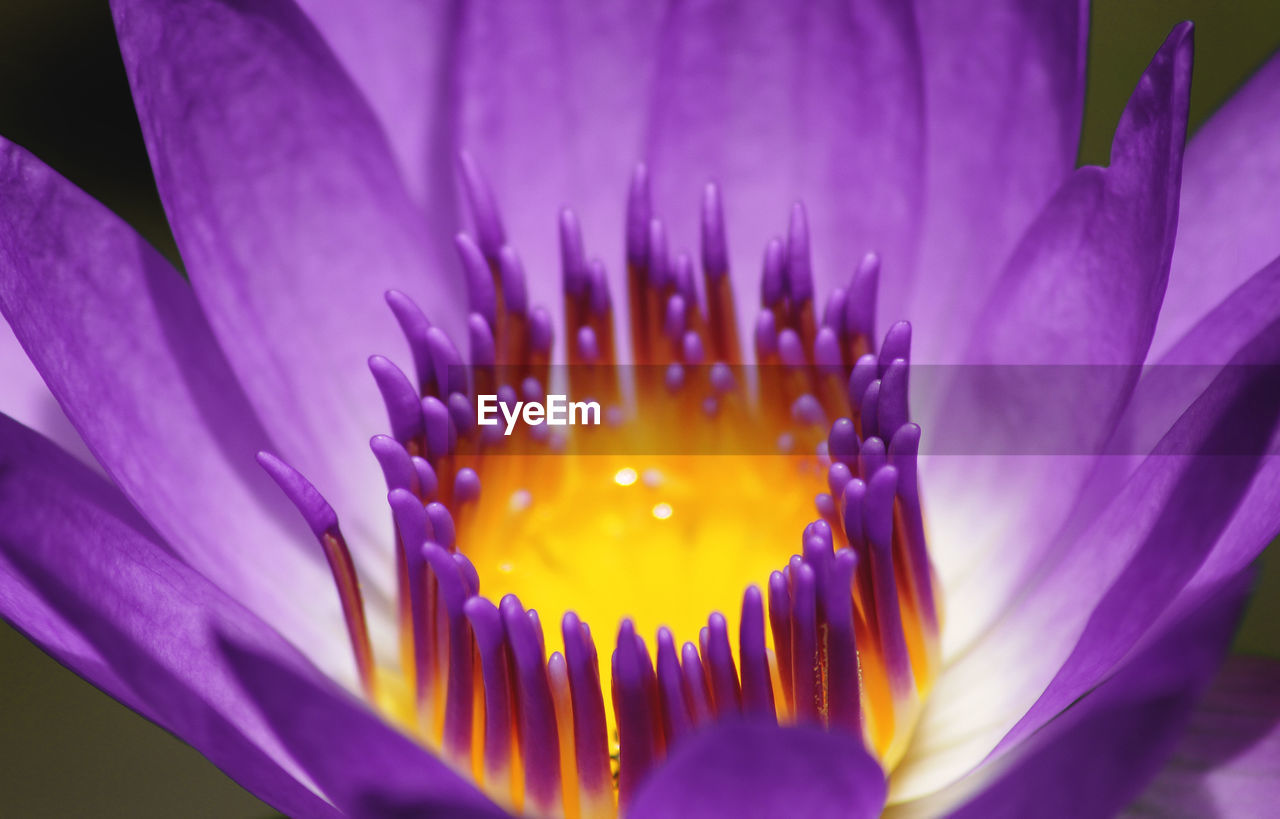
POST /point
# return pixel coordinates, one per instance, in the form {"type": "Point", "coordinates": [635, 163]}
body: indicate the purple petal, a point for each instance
{"type": "Point", "coordinates": [1168, 388]}
{"type": "Point", "coordinates": [1004, 91]}
{"type": "Point", "coordinates": [1082, 289]}
{"type": "Point", "coordinates": [86, 579]}
{"type": "Point", "coordinates": [778, 102]}
{"type": "Point", "coordinates": [27, 399]}
{"type": "Point", "coordinates": [1227, 226]}
{"type": "Point", "coordinates": [367, 767]}
{"type": "Point", "coordinates": [759, 769]}
{"type": "Point", "coordinates": [553, 101]}
{"type": "Point", "coordinates": [1092, 759]}
{"type": "Point", "coordinates": [1121, 580]}
{"type": "Point", "coordinates": [118, 337]}
{"type": "Point", "coordinates": [291, 217]}
{"type": "Point", "coordinates": [1226, 762]}
{"type": "Point", "coordinates": [399, 56]}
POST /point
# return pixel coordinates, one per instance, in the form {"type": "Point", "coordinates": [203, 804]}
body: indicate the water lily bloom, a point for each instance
{"type": "Point", "coordinates": [262, 514]}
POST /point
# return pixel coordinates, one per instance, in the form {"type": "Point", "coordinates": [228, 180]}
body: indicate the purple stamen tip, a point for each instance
{"type": "Point", "coordinates": [897, 344]}
{"type": "Point", "coordinates": [879, 506]}
{"type": "Point", "coordinates": [540, 331]}
{"type": "Point", "coordinates": [853, 503]}
{"type": "Point", "coordinates": [790, 348]}
{"type": "Point", "coordinates": [807, 411]}
{"type": "Point", "coordinates": [860, 304]}
{"type": "Point", "coordinates": [757, 689]}
{"type": "Point", "coordinates": [315, 510]}
{"type": "Point", "coordinates": [799, 261]}
{"type": "Point", "coordinates": [411, 521]}
{"type": "Point", "coordinates": [676, 722]}
{"type": "Point", "coordinates": [639, 211]}
{"type": "Point", "coordinates": [772, 284]}
{"type": "Point", "coordinates": [404, 412]}
{"type": "Point", "coordinates": [659, 262]}
{"type": "Point", "coordinates": [598, 280]}
{"type": "Point", "coordinates": [673, 322]}
{"type": "Point", "coordinates": [904, 447]}
{"type": "Point", "coordinates": [588, 349]}
{"type": "Point", "coordinates": [442, 528]}
{"type": "Point", "coordinates": [826, 351]}
{"type": "Point", "coordinates": [842, 442]}
{"type": "Point", "coordinates": [838, 476]}
{"type": "Point", "coordinates": [860, 377]}
{"type": "Point", "coordinates": [691, 347]}
{"type": "Point", "coordinates": [470, 577]}
{"type": "Point", "coordinates": [722, 380]}
{"type": "Point", "coordinates": [414, 324]}
{"type": "Point", "coordinates": [531, 389]}
{"type": "Point", "coordinates": [871, 409]}
{"type": "Point", "coordinates": [892, 411]}
{"type": "Point", "coordinates": [674, 378]}
{"type": "Point", "coordinates": [450, 375]}
{"type": "Point", "coordinates": [511, 272]}
{"type": "Point", "coordinates": [833, 314]}
{"type": "Point", "coordinates": [715, 249]}
{"type": "Point", "coordinates": [480, 336]}
{"type": "Point", "coordinates": [427, 484]}
{"type": "Point", "coordinates": [484, 211]}
{"type": "Point", "coordinates": [573, 258]}
{"type": "Point", "coordinates": [872, 457]}
{"type": "Point", "coordinates": [461, 413]}
{"type": "Point", "coordinates": [481, 295]}
{"type": "Point", "coordinates": [766, 334]}
{"type": "Point", "coordinates": [393, 458]}
{"type": "Point", "coordinates": [441, 432]}
{"type": "Point", "coordinates": [683, 275]}
{"type": "Point", "coordinates": [466, 485]}
{"type": "Point", "coordinates": [719, 659]}
{"type": "Point", "coordinates": [825, 504]}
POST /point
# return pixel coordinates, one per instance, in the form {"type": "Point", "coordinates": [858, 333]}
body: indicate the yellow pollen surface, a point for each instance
{"type": "Point", "coordinates": [663, 539]}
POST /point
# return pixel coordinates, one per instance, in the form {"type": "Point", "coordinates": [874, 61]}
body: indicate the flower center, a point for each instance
{"type": "Point", "coordinates": [700, 481]}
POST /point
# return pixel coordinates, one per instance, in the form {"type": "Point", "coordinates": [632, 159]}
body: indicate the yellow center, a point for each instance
{"type": "Point", "coordinates": [662, 539]}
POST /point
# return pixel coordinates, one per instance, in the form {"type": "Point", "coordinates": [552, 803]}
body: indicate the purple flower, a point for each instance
{"type": "Point", "coordinates": [1047, 651]}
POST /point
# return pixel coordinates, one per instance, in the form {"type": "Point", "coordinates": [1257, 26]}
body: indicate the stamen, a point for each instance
{"type": "Point", "coordinates": [488, 222]}
{"type": "Point", "coordinates": [481, 293]}
{"type": "Point", "coordinates": [320, 516]}
{"type": "Point", "coordinates": [535, 710]}
{"type": "Point", "coordinates": [486, 625]}
{"type": "Point", "coordinates": [676, 721]}
{"type": "Point", "coordinates": [860, 305]}
{"type": "Point", "coordinates": [415, 326]}
{"type": "Point", "coordinates": [891, 407]}
{"type": "Point", "coordinates": [638, 749]}
{"type": "Point", "coordinates": [757, 691]}
{"type": "Point", "coordinates": [590, 736]}
{"type": "Point", "coordinates": [696, 692]}
{"type": "Point", "coordinates": [403, 409]}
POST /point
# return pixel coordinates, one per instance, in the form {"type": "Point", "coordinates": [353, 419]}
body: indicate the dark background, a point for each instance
{"type": "Point", "coordinates": [68, 750]}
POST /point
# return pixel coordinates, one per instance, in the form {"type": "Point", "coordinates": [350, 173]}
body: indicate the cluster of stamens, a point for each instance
{"type": "Point", "coordinates": [844, 635]}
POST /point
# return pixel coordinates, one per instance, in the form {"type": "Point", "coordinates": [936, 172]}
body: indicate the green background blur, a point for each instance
{"type": "Point", "coordinates": [68, 750]}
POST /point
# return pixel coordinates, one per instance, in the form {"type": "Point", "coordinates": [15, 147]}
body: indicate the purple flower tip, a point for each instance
{"type": "Point", "coordinates": [799, 259]}
{"type": "Point", "coordinates": [573, 257]}
{"type": "Point", "coordinates": [484, 211]}
{"type": "Point", "coordinates": [715, 250]}
{"type": "Point", "coordinates": [639, 212]}
{"type": "Point", "coordinates": [315, 510]}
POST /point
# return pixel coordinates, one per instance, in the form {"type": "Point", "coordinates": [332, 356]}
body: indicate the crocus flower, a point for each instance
{"type": "Point", "coordinates": [999, 633]}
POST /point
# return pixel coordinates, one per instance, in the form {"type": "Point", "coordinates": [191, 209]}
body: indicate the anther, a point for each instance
{"type": "Point", "coordinates": [484, 212]}
{"type": "Point", "coordinates": [404, 412]}
{"type": "Point", "coordinates": [320, 516]}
